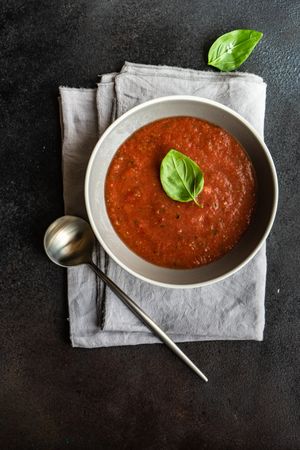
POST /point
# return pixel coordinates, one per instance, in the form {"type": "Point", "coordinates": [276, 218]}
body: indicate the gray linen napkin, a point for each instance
{"type": "Point", "coordinates": [231, 309]}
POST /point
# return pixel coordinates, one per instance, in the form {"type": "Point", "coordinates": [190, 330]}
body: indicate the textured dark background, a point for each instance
{"type": "Point", "coordinates": [56, 397]}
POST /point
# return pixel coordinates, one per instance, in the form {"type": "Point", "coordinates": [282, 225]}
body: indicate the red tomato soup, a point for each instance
{"type": "Point", "coordinates": [170, 233]}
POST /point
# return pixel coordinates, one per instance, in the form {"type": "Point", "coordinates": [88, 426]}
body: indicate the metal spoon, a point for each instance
{"type": "Point", "coordinates": [69, 241]}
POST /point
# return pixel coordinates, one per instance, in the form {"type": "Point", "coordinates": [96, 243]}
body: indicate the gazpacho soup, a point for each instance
{"type": "Point", "coordinates": [182, 233]}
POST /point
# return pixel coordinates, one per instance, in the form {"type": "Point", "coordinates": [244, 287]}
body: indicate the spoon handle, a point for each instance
{"type": "Point", "coordinates": [146, 320]}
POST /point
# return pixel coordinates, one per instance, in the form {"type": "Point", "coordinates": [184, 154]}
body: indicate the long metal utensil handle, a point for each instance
{"type": "Point", "coordinates": [147, 320]}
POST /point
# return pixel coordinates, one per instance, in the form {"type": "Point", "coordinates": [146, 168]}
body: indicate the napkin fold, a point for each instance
{"type": "Point", "coordinates": [231, 309]}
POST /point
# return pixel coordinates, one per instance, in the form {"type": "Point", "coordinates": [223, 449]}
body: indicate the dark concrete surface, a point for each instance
{"type": "Point", "coordinates": [56, 397]}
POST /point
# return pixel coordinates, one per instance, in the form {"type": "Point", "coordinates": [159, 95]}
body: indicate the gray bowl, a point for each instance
{"type": "Point", "coordinates": [218, 114]}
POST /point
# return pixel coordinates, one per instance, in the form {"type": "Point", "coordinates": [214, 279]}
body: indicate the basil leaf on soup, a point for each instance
{"type": "Point", "coordinates": [181, 178]}
{"type": "Point", "coordinates": [230, 50]}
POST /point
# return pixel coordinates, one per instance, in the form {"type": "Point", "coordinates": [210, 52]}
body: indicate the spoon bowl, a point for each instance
{"type": "Point", "coordinates": [69, 241]}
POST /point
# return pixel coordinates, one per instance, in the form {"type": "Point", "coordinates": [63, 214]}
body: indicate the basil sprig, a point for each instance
{"type": "Point", "coordinates": [230, 50]}
{"type": "Point", "coordinates": [181, 177]}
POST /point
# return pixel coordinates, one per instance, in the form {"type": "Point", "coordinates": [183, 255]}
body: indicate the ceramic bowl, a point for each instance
{"type": "Point", "coordinates": [220, 115]}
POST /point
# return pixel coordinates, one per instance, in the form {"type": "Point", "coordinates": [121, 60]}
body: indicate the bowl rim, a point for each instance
{"type": "Point", "coordinates": [194, 99]}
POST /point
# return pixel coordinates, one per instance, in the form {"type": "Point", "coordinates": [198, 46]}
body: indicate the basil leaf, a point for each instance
{"type": "Point", "coordinates": [230, 50]}
{"type": "Point", "coordinates": [181, 177]}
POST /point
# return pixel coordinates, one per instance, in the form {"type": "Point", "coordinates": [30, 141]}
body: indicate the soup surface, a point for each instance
{"type": "Point", "coordinates": [170, 233]}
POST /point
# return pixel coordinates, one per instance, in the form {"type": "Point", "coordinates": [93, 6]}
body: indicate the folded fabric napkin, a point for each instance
{"type": "Point", "coordinates": [230, 309]}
